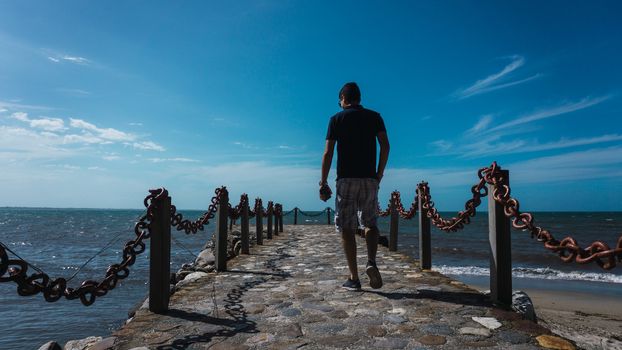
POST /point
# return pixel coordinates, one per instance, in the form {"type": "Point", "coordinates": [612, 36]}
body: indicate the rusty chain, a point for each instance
{"type": "Point", "coordinates": [568, 249]}
{"type": "Point", "coordinates": [188, 226]}
{"type": "Point", "coordinates": [456, 223]}
{"type": "Point", "coordinates": [16, 270]}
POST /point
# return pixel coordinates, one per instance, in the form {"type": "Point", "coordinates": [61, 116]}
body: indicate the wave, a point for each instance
{"type": "Point", "coordinates": [533, 272]}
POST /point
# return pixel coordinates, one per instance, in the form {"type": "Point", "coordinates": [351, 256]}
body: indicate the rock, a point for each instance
{"type": "Point", "coordinates": [376, 331]}
{"type": "Point", "coordinates": [488, 322]}
{"type": "Point", "coordinates": [260, 338]}
{"type": "Point", "coordinates": [522, 304]}
{"type": "Point", "coordinates": [104, 344]}
{"type": "Point", "coordinates": [291, 312]}
{"type": "Point", "coordinates": [291, 331]}
{"type": "Point", "coordinates": [553, 342]}
{"type": "Point", "coordinates": [81, 344]}
{"type": "Point", "coordinates": [206, 257]}
{"type": "Point", "coordinates": [395, 319]}
{"type": "Point", "coordinates": [441, 329]}
{"type": "Point", "coordinates": [432, 340]}
{"type": "Point", "coordinates": [514, 337]}
{"type": "Point", "coordinates": [391, 343]}
{"type": "Point", "coordinates": [255, 309]}
{"type": "Point", "coordinates": [140, 348]}
{"type": "Point", "coordinates": [51, 345]}
{"type": "Point", "coordinates": [484, 332]}
{"type": "Point", "coordinates": [191, 278]}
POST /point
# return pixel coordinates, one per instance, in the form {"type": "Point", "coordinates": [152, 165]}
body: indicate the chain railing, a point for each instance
{"type": "Point", "coordinates": [160, 215]}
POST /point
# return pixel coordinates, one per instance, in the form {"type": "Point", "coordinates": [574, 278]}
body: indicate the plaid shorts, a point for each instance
{"type": "Point", "coordinates": [356, 203]}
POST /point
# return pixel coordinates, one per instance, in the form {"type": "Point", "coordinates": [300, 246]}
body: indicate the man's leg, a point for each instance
{"type": "Point", "coordinates": [349, 247]}
{"type": "Point", "coordinates": [371, 237]}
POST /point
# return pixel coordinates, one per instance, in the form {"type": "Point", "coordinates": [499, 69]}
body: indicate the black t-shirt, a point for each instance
{"type": "Point", "coordinates": [355, 130]}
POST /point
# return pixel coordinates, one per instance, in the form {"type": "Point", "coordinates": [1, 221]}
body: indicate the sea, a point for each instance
{"type": "Point", "coordinates": [61, 241]}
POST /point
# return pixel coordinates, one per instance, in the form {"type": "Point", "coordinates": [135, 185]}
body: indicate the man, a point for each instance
{"type": "Point", "coordinates": [355, 130]}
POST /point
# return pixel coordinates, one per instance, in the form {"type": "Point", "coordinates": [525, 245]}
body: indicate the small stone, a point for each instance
{"type": "Point", "coordinates": [479, 344]}
{"type": "Point", "coordinates": [291, 312]}
{"type": "Point", "coordinates": [391, 343]}
{"type": "Point", "coordinates": [291, 331]}
{"type": "Point", "coordinates": [432, 340]}
{"type": "Point", "coordinates": [328, 328]}
{"type": "Point", "coordinates": [514, 337]}
{"type": "Point", "coordinates": [397, 311]}
{"type": "Point", "coordinates": [156, 337]}
{"type": "Point", "coordinates": [104, 344]}
{"type": "Point", "coordinates": [205, 258]}
{"type": "Point", "coordinates": [339, 341]}
{"type": "Point", "coordinates": [395, 319]}
{"type": "Point", "coordinates": [255, 309]}
{"type": "Point", "coordinates": [81, 344]}
{"type": "Point", "coordinates": [376, 331]}
{"type": "Point", "coordinates": [484, 332]}
{"type": "Point", "coordinates": [279, 289]}
{"type": "Point", "coordinates": [553, 342]}
{"type": "Point", "coordinates": [441, 329]}
{"type": "Point", "coordinates": [522, 304]}
{"type": "Point", "coordinates": [260, 338]}
{"type": "Point", "coordinates": [51, 345]}
{"type": "Point", "coordinates": [488, 322]}
{"type": "Point", "coordinates": [338, 314]}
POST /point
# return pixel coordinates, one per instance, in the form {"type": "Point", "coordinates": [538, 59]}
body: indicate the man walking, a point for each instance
{"type": "Point", "coordinates": [355, 130]}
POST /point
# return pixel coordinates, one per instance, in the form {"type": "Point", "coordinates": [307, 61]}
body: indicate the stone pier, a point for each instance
{"type": "Point", "coordinates": [287, 295]}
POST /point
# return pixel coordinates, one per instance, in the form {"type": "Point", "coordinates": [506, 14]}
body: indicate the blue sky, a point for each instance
{"type": "Point", "coordinates": [101, 101]}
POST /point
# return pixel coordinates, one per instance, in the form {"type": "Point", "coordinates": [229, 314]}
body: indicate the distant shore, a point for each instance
{"type": "Point", "coordinates": [592, 323]}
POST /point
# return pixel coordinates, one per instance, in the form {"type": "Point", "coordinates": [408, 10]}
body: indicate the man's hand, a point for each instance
{"type": "Point", "coordinates": [325, 192]}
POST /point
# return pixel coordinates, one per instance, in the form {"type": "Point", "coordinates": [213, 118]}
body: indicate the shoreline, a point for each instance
{"type": "Point", "coordinates": [591, 323]}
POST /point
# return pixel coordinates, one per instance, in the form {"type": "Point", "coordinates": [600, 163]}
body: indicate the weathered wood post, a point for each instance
{"type": "Point", "coordinates": [259, 221]}
{"type": "Point", "coordinates": [221, 231]}
{"type": "Point", "coordinates": [500, 248]}
{"type": "Point", "coordinates": [244, 225]}
{"type": "Point", "coordinates": [160, 257]}
{"type": "Point", "coordinates": [270, 211]}
{"type": "Point", "coordinates": [296, 216]}
{"type": "Point", "coordinates": [395, 219]}
{"type": "Point", "coordinates": [328, 215]}
{"type": "Point", "coordinates": [425, 240]}
{"type": "Point", "coordinates": [280, 218]}
{"type": "Point", "coordinates": [276, 219]}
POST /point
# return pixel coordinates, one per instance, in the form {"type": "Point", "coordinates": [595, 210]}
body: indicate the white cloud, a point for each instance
{"type": "Point", "coordinates": [552, 112]}
{"type": "Point", "coordinates": [49, 124]}
{"type": "Point", "coordinates": [135, 124]}
{"type": "Point", "coordinates": [111, 157]}
{"type": "Point", "coordinates": [482, 124]}
{"type": "Point", "coordinates": [108, 134]}
{"type": "Point", "coordinates": [53, 59]}
{"type": "Point", "coordinates": [183, 160]}
{"type": "Point", "coordinates": [442, 145]}
{"type": "Point", "coordinates": [59, 58]}
{"type": "Point", "coordinates": [148, 146]}
{"type": "Point", "coordinates": [491, 82]}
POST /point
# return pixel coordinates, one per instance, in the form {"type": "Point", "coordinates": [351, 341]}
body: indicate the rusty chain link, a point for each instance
{"type": "Point", "coordinates": [188, 226]}
{"type": "Point", "coordinates": [16, 270]}
{"type": "Point", "coordinates": [568, 249]}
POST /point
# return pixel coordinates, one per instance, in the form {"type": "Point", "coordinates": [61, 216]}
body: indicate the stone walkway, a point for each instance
{"type": "Point", "coordinates": [286, 295]}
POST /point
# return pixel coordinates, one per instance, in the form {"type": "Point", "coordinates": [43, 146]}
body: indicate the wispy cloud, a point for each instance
{"type": "Point", "coordinates": [106, 134]}
{"type": "Point", "coordinates": [148, 146]}
{"type": "Point", "coordinates": [48, 124]}
{"type": "Point", "coordinates": [551, 112]}
{"type": "Point", "coordinates": [495, 81]}
{"type": "Point", "coordinates": [179, 159]}
{"type": "Point", "coordinates": [59, 58]}
{"type": "Point", "coordinates": [73, 92]}
{"type": "Point", "coordinates": [481, 124]}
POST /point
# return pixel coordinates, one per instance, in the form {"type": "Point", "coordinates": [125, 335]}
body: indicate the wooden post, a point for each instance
{"type": "Point", "coordinates": [281, 219]}
{"type": "Point", "coordinates": [296, 216]}
{"type": "Point", "coordinates": [160, 257]}
{"type": "Point", "coordinates": [328, 215]}
{"type": "Point", "coordinates": [244, 228]}
{"type": "Point", "coordinates": [221, 231]}
{"type": "Point", "coordinates": [395, 219]}
{"type": "Point", "coordinates": [230, 224]}
{"type": "Point", "coordinates": [270, 211]}
{"type": "Point", "coordinates": [259, 224]}
{"type": "Point", "coordinates": [500, 248]}
{"type": "Point", "coordinates": [425, 240]}
{"type": "Point", "coordinates": [276, 220]}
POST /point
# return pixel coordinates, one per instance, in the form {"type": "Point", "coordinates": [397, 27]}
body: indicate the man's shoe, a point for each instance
{"type": "Point", "coordinates": [375, 280]}
{"type": "Point", "coordinates": [352, 285]}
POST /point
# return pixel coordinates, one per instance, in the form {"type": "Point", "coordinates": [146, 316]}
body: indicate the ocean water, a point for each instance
{"type": "Point", "coordinates": [59, 241]}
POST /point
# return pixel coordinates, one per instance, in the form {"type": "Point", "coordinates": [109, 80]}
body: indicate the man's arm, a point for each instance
{"type": "Point", "coordinates": [327, 159]}
{"type": "Point", "coordinates": [383, 140]}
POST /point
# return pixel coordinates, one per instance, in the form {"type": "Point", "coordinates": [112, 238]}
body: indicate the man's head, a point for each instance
{"type": "Point", "coordinates": [349, 95]}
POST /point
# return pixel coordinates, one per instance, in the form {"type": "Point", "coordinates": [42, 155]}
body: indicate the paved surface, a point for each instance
{"type": "Point", "coordinates": [286, 295]}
